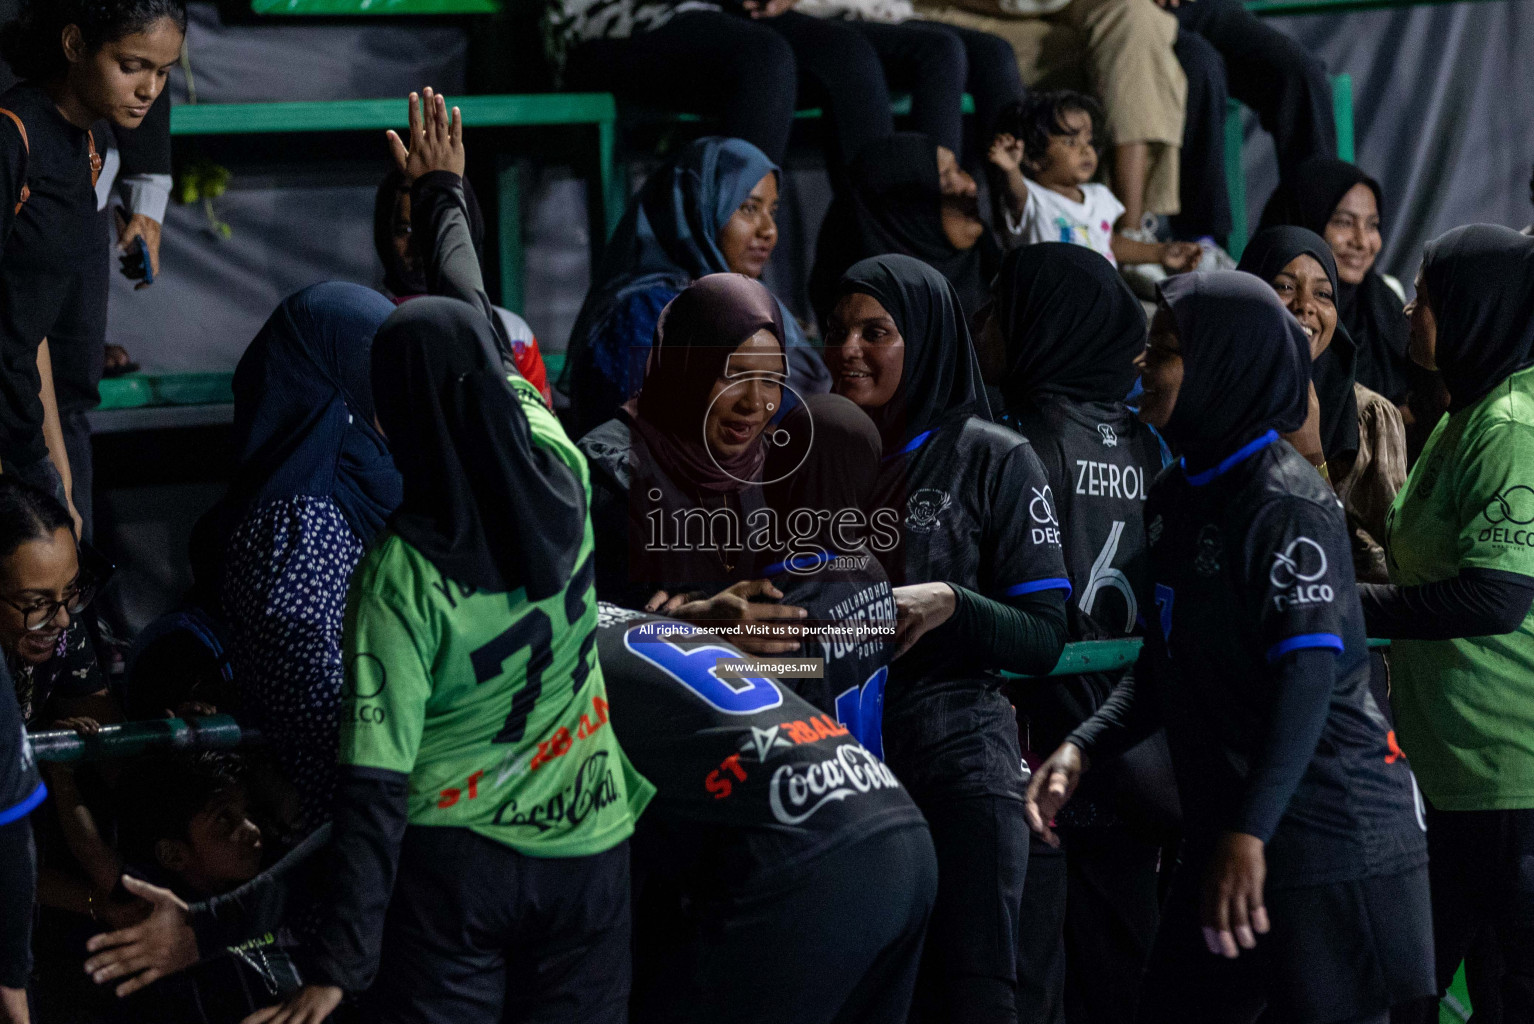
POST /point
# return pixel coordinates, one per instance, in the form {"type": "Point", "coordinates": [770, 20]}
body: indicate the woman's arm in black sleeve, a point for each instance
{"type": "Point", "coordinates": [18, 895]}
{"type": "Point", "coordinates": [1128, 716]}
{"type": "Point", "coordinates": [1301, 701]}
{"type": "Point", "coordinates": [371, 807]}
{"type": "Point", "coordinates": [262, 904]}
{"type": "Point", "coordinates": [1477, 602]}
{"type": "Point", "coordinates": [441, 223]}
{"type": "Point", "coordinates": [1024, 634]}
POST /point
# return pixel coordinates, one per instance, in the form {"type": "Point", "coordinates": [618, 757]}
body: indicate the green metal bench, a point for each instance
{"type": "Point", "coordinates": [594, 110]}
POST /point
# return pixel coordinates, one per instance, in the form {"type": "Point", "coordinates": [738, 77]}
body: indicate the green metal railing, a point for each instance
{"type": "Point", "coordinates": [214, 732]}
{"type": "Point", "coordinates": [222, 732]}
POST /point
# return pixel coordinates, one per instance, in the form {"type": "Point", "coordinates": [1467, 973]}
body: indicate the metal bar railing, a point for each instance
{"type": "Point", "coordinates": [214, 732]}
{"type": "Point", "coordinates": [223, 732]}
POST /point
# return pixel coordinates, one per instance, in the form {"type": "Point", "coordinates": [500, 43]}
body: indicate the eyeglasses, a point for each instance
{"type": "Point", "coordinates": [95, 571]}
{"type": "Point", "coordinates": [36, 616]}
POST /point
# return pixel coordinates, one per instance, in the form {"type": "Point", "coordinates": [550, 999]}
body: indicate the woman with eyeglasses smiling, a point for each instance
{"type": "Point", "coordinates": [43, 589]}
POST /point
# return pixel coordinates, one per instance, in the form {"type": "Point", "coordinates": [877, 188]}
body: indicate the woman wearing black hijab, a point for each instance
{"type": "Point", "coordinates": [977, 567]}
{"type": "Point", "coordinates": [483, 808]}
{"type": "Point", "coordinates": [1459, 605]}
{"type": "Point", "coordinates": [1299, 267]}
{"type": "Point", "coordinates": [677, 475]}
{"type": "Point", "coordinates": [1343, 205]}
{"type": "Point", "coordinates": [907, 195]}
{"type": "Point", "coordinates": [1256, 663]}
{"type": "Point", "coordinates": [1361, 433]}
{"type": "Point", "coordinates": [1071, 331]}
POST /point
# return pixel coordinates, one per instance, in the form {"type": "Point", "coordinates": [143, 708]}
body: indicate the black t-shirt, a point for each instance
{"type": "Point", "coordinates": [21, 787]}
{"type": "Point", "coordinates": [850, 595]}
{"type": "Point", "coordinates": [979, 511]}
{"type": "Point", "coordinates": [753, 784]}
{"type": "Point", "coordinates": [1249, 561]}
{"type": "Point", "coordinates": [1100, 461]}
{"type": "Point", "coordinates": [54, 258]}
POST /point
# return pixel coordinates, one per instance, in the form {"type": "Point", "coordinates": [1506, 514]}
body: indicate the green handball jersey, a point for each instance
{"type": "Point", "coordinates": [493, 705]}
{"type": "Point", "coordinates": [1465, 708]}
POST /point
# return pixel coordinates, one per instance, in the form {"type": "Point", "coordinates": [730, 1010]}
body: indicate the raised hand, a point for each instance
{"type": "Point", "coordinates": [436, 139]}
{"type": "Point", "coordinates": [1006, 152]}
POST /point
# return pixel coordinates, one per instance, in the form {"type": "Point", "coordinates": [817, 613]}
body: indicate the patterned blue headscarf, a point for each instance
{"type": "Point", "coordinates": [667, 239]}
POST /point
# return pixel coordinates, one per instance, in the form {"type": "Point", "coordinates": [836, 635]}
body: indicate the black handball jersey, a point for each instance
{"type": "Point", "coordinates": [851, 607]}
{"type": "Point", "coordinates": [979, 511]}
{"type": "Point", "coordinates": [1100, 462]}
{"type": "Point", "coordinates": [753, 784]}
{"type": "Point", "coordinates": [1248, 561]}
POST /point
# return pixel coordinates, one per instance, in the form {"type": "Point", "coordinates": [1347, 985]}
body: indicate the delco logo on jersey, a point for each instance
{"type": "Point", "coordinates": [798, 791]}
{"type": "Point", "coordinates": [1041, 510]}
{"type": "Point", "coordinates": [1510, 513]}
{"type": "Point", "coordinates": [1295, 572]}
{"type": "Point", "coordinates": [1105, 480]}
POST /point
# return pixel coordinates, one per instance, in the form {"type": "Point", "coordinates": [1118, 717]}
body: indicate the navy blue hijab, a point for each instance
{"type": "Point", "coordinates": [303, 417]}
{"type": "Point", "coordinates": [1246, 364]}
{"type": "Point", "coordinates": [667, 239]}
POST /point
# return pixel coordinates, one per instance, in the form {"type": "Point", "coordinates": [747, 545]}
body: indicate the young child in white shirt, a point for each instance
{"type": "Point", "coordinates": [1045, 150]}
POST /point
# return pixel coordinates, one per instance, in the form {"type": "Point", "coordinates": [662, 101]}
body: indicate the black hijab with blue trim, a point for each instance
{"type": "Point", "coordinates": [1246, 364]}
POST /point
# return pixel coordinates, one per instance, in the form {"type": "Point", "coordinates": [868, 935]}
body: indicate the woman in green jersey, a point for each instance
{"type": "Point", "coordinates": [1460, 541]}
{"type": "Point", "coordinates": [481, 783]}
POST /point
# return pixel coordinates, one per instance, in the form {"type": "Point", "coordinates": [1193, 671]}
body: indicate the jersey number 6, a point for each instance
{"type": "Point", "coordinates": [693, 667]}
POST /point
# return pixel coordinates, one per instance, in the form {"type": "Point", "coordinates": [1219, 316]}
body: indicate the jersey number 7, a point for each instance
{"type": "Point", "coordinates": [535, 630]}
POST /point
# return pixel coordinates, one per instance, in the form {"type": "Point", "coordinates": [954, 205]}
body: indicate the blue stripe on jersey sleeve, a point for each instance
{"type": "Point", "coordinates": [1301, 642]}
{"type": "Point", "coordinates": [26, 807]}
{"type": "Point", "coordinates": [1034, 586]}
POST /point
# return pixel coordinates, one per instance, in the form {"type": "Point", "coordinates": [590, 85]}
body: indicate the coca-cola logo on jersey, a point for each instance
{"type": "Point", "coordinates": [797, 791]}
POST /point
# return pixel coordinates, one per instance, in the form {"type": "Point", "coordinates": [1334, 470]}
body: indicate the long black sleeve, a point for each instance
{"type": "Point", "coordinates": [369, 825]}
{"type": "Point", "coordinates": [1129, 715]}
{"type": "Point", "coordinates": [1301, 700]}
{"type": "Point", "coordinates": [18, 894]}
{"type": "Point", "coordinates": [262, 904]}
{"type": "Point", "coordinates": [1477, 602]}
{"type": "Point", "coordinates": [1024, 635]}
{"type": "Point", "coordinates": [441, 220]}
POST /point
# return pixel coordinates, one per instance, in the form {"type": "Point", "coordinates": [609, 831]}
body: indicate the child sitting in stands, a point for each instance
{"type": "Point", "coordinates": [1045, 148]}
{"type": "Point", "coordinates": [224, 927]}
